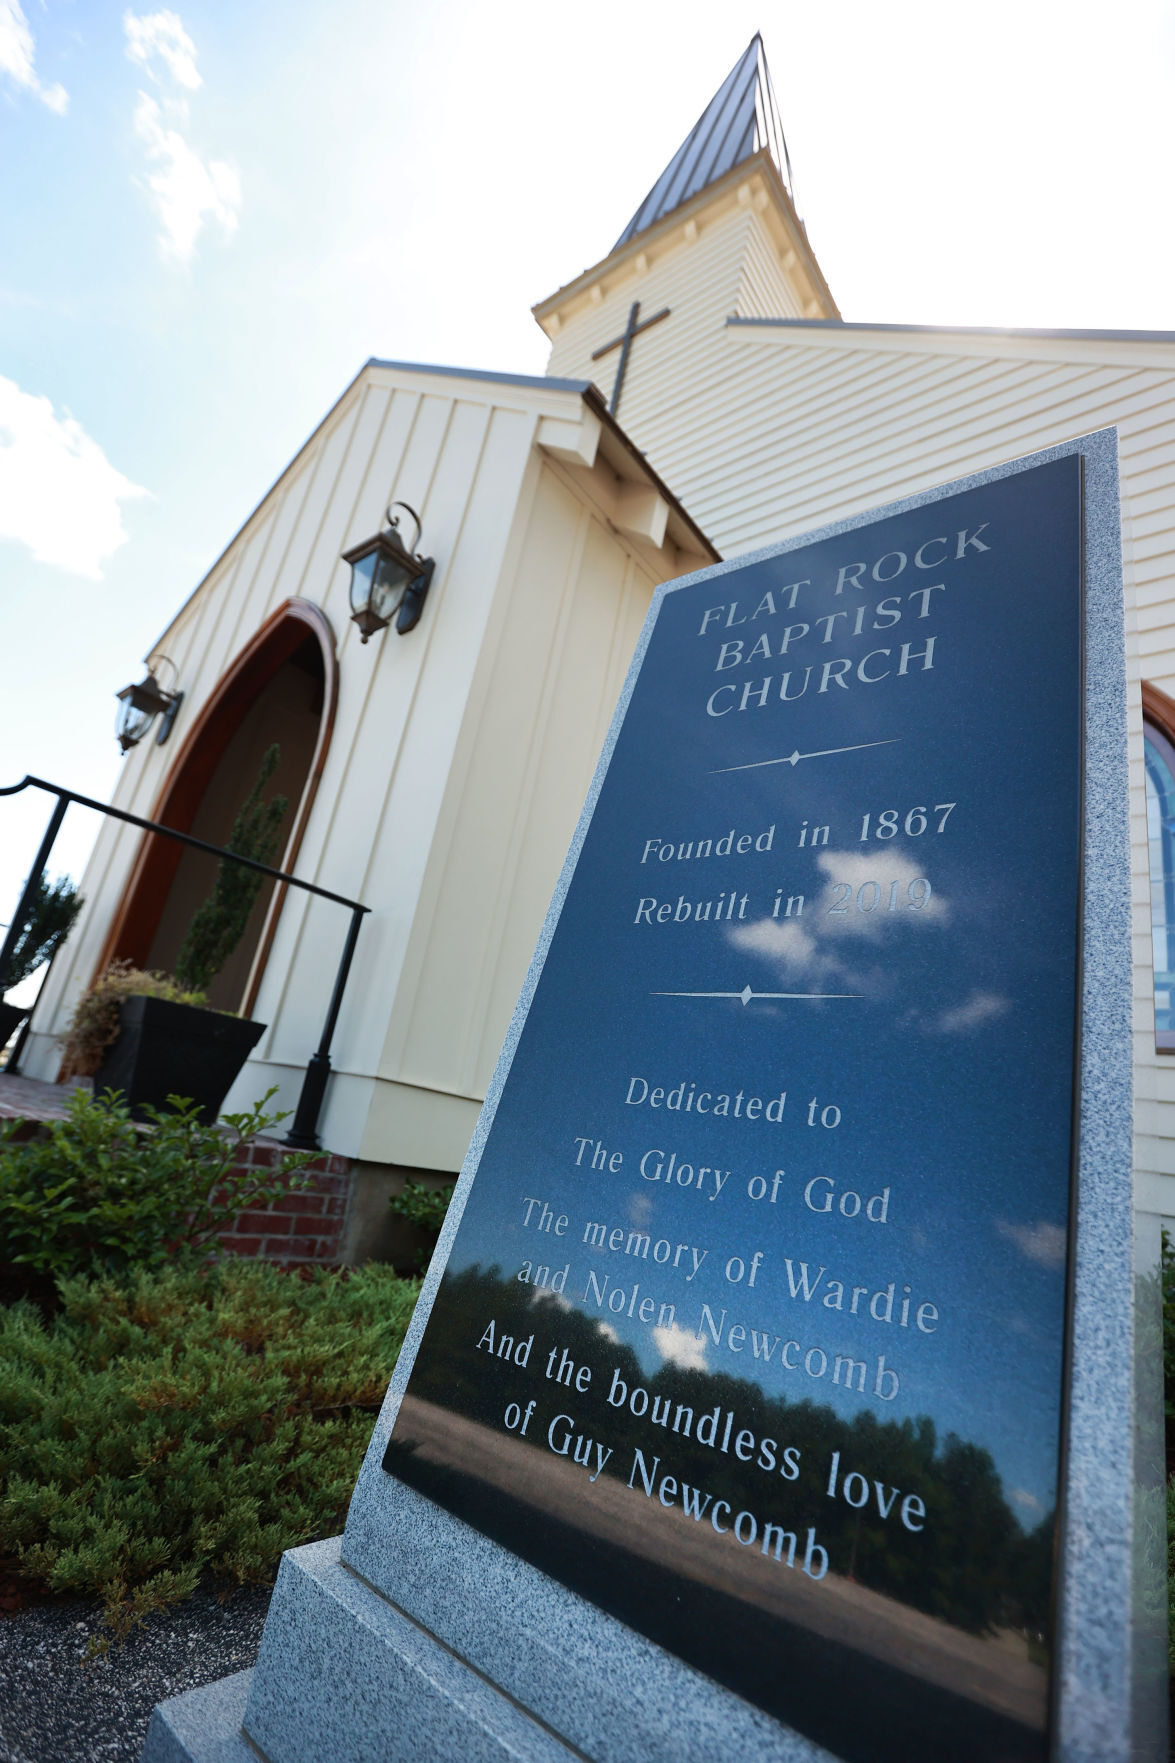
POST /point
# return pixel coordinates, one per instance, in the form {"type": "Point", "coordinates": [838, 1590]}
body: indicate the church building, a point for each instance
{"type": "Point", "coordinates": [703, 398]}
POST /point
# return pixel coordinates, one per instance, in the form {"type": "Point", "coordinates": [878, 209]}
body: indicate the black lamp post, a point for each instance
{"type": "Point", "coordinates": [388, 580]}
{"type": "Point", "coordinates": [141, 704]}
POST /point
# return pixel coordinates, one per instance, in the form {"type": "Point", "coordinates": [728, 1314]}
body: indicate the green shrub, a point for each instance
{"type": "Point", "coordinates": [219, 924]}
{"type": "Point", "coordinates": [425, 1208]}
{"type": "Point", "coordinates": [95, 1193]}
{"type": "Point", "coordinates": [47, 923]}
{"type": "Point", "coordinates": [168, 1425]}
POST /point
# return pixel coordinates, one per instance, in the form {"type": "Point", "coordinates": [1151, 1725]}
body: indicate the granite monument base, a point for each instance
{"type": "Point", "coordinates": [340, 1674]}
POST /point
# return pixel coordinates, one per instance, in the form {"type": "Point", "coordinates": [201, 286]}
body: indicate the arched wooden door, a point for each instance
{"type": "Point", "coordinates": [283, 688]}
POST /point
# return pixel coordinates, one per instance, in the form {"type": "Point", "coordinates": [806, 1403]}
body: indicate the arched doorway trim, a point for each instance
{"type": "Point", "coordinates": [154, 867]}
{"type": "Point", "coordinates": [316, 618]}
{"type": "Point", "coordinates": [1158, 729]}
{"type": "Point", "coordinates": [1157, 707]}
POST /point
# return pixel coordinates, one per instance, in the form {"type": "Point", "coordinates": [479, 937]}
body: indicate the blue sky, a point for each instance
{"type": "Point", "coordinates": [212, 215]}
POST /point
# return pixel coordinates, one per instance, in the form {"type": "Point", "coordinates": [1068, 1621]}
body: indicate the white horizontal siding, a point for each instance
{"type": "Point", "coordinates": [767, 432]}
{"type": "Point", "coordinates": [731, 266]}
{"type": "Point", "coordinates": [765, 288]}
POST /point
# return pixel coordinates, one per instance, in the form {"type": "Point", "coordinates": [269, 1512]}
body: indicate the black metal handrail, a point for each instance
{"type": "Point", "coordinates": [304, 1132]}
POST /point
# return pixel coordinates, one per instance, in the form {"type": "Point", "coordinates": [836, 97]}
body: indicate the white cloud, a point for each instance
{"type": "Point", "coordinates": [981, 1007]}
{"type": "Point", "coordinates": [186, 190]}
{"type": "Point", "coordinates": [59, 494]}
{"type": "Point", "coordinates": [679, 1346]}
{"type": "Point", "coordinates": [17, 54]}
{"type": "Point", "coordinates": [544, 1295]}
{"type": "Point", "coordinates": [799, 959]}
{"type": "Point", "coordinates": [860, 868]}
{"type": "Point", "coordinates": [1029, 1501]}
{"type": "Point", "coordinates": [783, 941]}
{"type": "Point", "coordinates": [802, 949]}
{"type": "Point", "coordinates": [640, 1208]}
{"type": "Point", "coordinates": [1042, 1242]}
{"type": "Point", "coordinates": [162, 35]}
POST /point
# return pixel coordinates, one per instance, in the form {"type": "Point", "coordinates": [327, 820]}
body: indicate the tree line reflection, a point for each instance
{"type": "Point", "coordinates": [960, 1554]}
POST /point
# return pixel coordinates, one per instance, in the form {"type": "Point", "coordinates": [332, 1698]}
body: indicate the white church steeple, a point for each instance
{"type": "Point", "coordinates": [741, 119]}
{"type": "Point", "coordinates": [716, 237]}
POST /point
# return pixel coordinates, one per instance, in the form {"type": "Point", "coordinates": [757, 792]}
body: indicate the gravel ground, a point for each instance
{"type": "Point", "coordinates": [54, 1709]}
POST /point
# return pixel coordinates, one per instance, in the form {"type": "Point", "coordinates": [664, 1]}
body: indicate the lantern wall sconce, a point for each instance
{"type": "Point", "coordinates": [142, 703]}
{"type": "Point", "coordinates": [388, 579]}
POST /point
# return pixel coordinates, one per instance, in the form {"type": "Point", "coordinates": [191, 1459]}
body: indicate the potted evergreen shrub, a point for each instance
{"type": "Point", "coordinates": [47, 923]}
{"type": "Point", "coordinates": [151, 1036]}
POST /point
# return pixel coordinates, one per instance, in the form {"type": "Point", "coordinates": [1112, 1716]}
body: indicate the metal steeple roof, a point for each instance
{"type": "Point", "coordinates": [740, 119]}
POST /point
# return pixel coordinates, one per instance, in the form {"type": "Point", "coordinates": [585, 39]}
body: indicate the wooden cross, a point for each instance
{"type": "Point", "coordinates": [624, 344]}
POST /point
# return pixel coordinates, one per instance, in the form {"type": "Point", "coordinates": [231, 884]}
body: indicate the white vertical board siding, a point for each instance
{"type": "Point", "coordinates": [459, 757]}
{"type": "Point", "coordinates": [571, 612]}
{"type": "Point", "coordinates": [459, 460]}
{"type": "Point", "coordinates": [571, 600]}
{"type": "Point", "coordinates": [392, 782]}
{"type": "Point", "coordinates": [377, 439]}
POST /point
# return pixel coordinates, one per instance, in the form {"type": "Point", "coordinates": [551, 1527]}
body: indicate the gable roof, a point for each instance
{"type": "Point", "coordinates": [741, 119]}
{"type": "Point", "coordinates": [620, 452]}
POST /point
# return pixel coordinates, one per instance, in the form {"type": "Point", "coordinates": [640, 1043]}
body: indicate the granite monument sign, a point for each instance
{"type": "Point", "coordinates": [758, 1333]}
{"type": "Point", "coordinates": [757, 1305]}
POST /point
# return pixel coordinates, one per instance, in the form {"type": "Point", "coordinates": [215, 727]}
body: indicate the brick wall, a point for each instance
{"type": "Point", "coordinates": [302, 1229]}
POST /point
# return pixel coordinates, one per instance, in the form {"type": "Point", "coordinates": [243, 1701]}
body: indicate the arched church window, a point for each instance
{"type": "Point", "coordinates": [1160, 828]}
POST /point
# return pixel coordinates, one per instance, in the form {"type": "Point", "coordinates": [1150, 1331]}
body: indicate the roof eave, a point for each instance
{"type": "Point", "coordinates": [597, 404]}
{"type": "Point", "coordinates": [969, 330]}
{"type": "Point", "coordinates": [1038, 333]}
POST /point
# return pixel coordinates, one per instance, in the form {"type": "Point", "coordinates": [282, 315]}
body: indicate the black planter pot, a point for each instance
{"type": "Point", "coordinates": [10, 1016]}
{"type": "Point", "coordinates": [165, 1049]}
